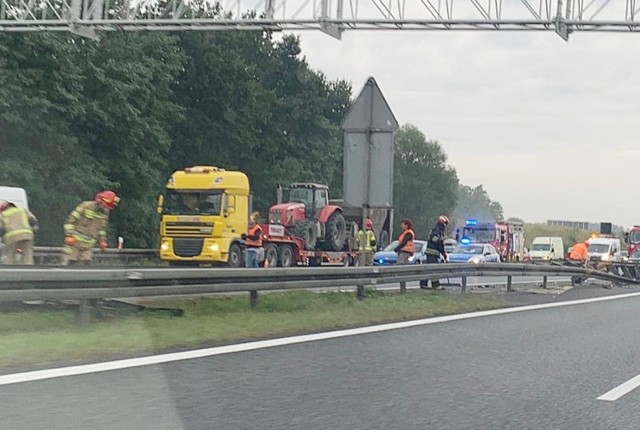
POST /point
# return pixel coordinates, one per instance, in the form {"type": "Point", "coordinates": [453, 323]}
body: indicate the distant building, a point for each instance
{"type": "Point", "coordinates": [579, 225]}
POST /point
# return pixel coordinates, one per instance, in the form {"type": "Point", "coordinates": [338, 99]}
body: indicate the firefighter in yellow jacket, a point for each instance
{"type": "Point", "coordinates": [86, 225]}
{"type": "Point", "coordinates": [16, 229]}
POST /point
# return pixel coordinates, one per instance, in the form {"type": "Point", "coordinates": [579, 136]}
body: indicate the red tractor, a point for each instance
{"type": "Point", "coordinates": [308, 215]}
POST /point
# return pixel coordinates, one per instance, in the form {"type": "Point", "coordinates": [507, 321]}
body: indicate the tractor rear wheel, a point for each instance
{"type": "Point", "coordinates": [335, 232]}
{"type": "Point", "coordinates": [306, 230]}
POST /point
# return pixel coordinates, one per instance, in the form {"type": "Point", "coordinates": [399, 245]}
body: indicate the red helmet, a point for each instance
{"type": "Point", "coordinates": [443, 219]}
{"type": "Point", "coordinates": [368, 223]}
{"type": "Point", "coordinates": [107, 199]}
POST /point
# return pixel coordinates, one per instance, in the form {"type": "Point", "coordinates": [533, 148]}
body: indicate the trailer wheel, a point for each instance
{"type": "Point", "coordinates": [235, 256]}
{"type": "Point", "coordinates": [285, 255]}
{"type": "Point", "coordinates": [271, 255]}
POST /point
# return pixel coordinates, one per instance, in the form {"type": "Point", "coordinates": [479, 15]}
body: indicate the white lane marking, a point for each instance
{"type": "Point", "coordinates": [621, 390]}
{"type": "Point", "coordinates": [60, 372]}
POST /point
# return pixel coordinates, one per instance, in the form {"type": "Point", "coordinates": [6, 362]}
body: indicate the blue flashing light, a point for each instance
{"type": "Point", "coordinates": [472, 222]}
{"type": "Point", "coordinates": [465, 241]}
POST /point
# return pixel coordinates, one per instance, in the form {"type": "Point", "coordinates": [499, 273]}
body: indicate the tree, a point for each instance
{"type": "Point", "coordinates": [425, 185]}
{"type": "Point", "coordinates": [475, 203]}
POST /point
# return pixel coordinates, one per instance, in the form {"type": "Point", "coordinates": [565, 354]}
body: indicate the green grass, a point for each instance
{"type": "Point", "coordinates": [48, 336]}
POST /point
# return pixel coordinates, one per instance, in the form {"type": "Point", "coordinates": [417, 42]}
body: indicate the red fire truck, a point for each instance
{"type": "Point", "coordinates": [506, 237]}
{"type": "Point", "coordinates": [632, 237]}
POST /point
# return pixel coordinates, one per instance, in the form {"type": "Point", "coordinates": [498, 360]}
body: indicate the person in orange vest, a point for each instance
{"type": "Point", "coordinates": [579, 252]}
{"type": "Point", "coordinates": [406, 246]}
{"type": "Point", "coordinates": [253, 242]}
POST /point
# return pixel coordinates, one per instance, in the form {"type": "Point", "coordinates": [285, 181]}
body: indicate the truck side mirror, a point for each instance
{"type": "Point", "coordinates": [229, 206]}
{"type": "Point", "coordinates": [160, 204]}
{"type": "Point", "coordinates": [626, 237]}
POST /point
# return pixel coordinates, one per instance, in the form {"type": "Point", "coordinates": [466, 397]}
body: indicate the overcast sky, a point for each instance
{"type": "Point", "coordinates": [550, 128]}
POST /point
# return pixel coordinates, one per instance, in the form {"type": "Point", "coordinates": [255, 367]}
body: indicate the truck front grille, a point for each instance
{"type": "Point", "coordinates": [198, 229]}
{"type": "Point", "coordinates": [187, 247]}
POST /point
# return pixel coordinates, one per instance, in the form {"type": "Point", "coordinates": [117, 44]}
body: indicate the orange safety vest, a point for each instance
{"type": "Point", "coordinates": [410, 247]}
{"type": "Point", "coordinates": [579, 252]}
{"type": "Point", "coordinates": [253, 231]}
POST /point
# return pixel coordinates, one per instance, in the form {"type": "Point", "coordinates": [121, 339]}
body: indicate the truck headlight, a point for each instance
{"type": "Point", "coordinates": [214, 247]}
{"type": "Point", "coordinates": [164, 246]}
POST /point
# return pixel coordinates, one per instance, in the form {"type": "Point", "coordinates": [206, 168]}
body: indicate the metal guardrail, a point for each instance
{"type": "Point", "coordinates": [23, 284]}
{"type": "Point", "coordinates": [48, 255]}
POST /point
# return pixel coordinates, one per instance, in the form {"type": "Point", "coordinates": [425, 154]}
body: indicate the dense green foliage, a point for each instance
{"type": "Point", "coordinates": [78, 115]}
{"type": "Point", "coordinates": [424, 185]}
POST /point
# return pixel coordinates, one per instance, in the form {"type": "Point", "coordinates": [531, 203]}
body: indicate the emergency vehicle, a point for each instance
{"type": "Point", "coordinates": [507, 237]}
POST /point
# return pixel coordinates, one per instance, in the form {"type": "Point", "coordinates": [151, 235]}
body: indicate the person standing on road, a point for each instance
{"type": "Point", "coordinates": [17, 226]}
{"type": "Point", "coordinates": [253, 242]}
{"type": "Point", "coordinates": [406, 246]}
{"type": "Point", "coordinates": [86, 225]}
{"type": "Point", "coordinates": [366, 243]}
{"type": "Point", "coordinates": [435, 249]}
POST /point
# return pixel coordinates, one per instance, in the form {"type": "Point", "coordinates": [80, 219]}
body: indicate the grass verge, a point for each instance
{"type": "Point", "coordinates": [38, 337]}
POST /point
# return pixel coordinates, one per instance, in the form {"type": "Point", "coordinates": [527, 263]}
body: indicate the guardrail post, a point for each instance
{"type": "Point", "coordinates": [84, 312]}
{"type": "Point", "coordinates": [403, 287]}
{"type": "Point", "coordinates": [360, 292]}
{"type": "Point", "coordinates": [253, 299]}
{"type": "Point", "coordinates": [464, 284]}
{"type": "Point", "coordinates": [544, 282]}
{"type": "Point", "coordinates": [509, 283]}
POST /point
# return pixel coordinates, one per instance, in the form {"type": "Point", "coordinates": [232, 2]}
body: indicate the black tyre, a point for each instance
{"type": "Point", "coordinates": [235, 256]}
{"type": "Point", "coordinates": [335, 232]}
{"type": "Point", "coordinates": [285, 256]}
{"type": "Point", "coordinates": [271, 255]}
{"type": "Point", "coordinates": [306, 230]}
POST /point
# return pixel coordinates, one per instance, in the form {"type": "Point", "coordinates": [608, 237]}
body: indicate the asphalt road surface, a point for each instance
{"type": "Point", "coordinates": [527, 370]}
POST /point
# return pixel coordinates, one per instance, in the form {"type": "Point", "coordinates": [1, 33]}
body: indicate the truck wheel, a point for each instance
{"type": "Point", "coordinates": [235, 256]}
{"type": "Point", "coordinates": [285, 255]}
{"type": "Point", "coordinates": [306, 230]}
{"type": "Point", "coordinates": [271, 254]}
{"type": "Point", "coordinates": [335, 232]}
{"type": "Point", "coordinates": [383, 240]}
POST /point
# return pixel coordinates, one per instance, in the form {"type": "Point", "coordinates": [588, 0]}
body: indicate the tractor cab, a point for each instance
{"type": "Point", "coordinates": [313, 196]}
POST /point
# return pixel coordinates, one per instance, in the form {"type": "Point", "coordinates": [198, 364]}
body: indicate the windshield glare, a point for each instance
{"type": "Point", "coordinates": [475, 250]}
{"type": "Point", "coordinates": [193, 203]}
{"type": "Point", "coordinates": [540, 247]}
{"type": "Point", "coordinates": [598, 248]}
{"type": "Point", "coordinates": [634, 237]}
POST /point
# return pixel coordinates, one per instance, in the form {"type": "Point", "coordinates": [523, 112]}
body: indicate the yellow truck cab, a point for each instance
{"type": "Point", "coordinates": [203, 213]}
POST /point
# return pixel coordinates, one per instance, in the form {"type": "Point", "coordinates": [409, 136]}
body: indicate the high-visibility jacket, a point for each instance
{"type": "Point", "coordinates": [87, 223]}
{"type": "Point", "coordinates": [410, 246]}
{"type": "Point", "coordinates": [17, 224]}
{"type": "Point", "coordinates": [254, 237]}
{"type": "Point", "coordinates": [366, 240]}
{"type": "Point", "coordinates": [579, 252]}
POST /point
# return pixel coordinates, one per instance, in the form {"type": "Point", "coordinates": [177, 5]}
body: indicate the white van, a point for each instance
{"type": "Point", "coordinates": [604, 249]}
{"type": "Point", "coordinates": [17, 196]}
{"type": "Point", "coordinates": [547, 249]}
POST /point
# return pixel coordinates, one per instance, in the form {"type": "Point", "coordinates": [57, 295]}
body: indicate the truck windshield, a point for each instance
{"type": "Point", "coordinates": [634, 236]}
{"type": "Point", "coordinates": [540, 247]}
{"type": "Point", "coordinates": [193, 203]}
{"type": "Point", "coordinates": [480, 235]}
{"type": "Point", "coordinates": [598, 248]}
